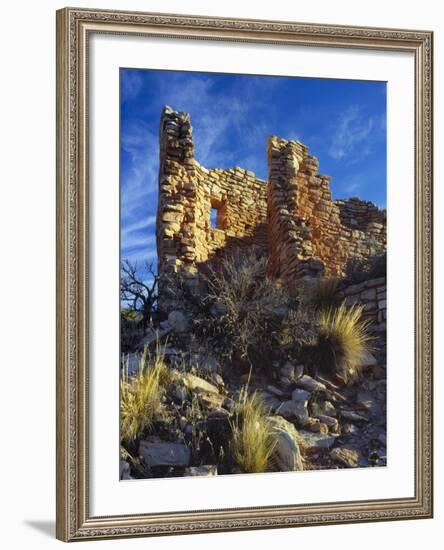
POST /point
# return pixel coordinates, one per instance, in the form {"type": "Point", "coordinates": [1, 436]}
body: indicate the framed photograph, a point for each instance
{"type": "Point", "coordinates": [244, 274]}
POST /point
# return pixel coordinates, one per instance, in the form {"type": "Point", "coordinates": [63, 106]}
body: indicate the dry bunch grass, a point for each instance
{"type": "Point", "coordinates": [253, 442]}
{"type": "Point", "coordinates": [343, 340]}
{"type": "Point", "coordinates": [141, 395]}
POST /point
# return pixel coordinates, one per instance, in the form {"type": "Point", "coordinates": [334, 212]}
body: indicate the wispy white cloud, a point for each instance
{"type": "Point", "coordinates": [353, 134]}
{"type": "Point", "coordinates": [131, 84]}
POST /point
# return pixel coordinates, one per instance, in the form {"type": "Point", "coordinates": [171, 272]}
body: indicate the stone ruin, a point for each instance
{"type": "Point", "coordinates": [291, 218]}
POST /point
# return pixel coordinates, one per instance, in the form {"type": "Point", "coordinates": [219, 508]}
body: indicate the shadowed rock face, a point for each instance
{"type": "Point", "coordinates": [291, 219]}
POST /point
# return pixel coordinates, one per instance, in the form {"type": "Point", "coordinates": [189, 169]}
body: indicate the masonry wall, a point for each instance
{"type": "Point", "coordinates": [313, 234]}
{"type": "Point", "coordinates": [372, 294]}
{"type": "Point", "coordinates": [291, 219]}
{"type": "Point", "coordinates": [188, 192]}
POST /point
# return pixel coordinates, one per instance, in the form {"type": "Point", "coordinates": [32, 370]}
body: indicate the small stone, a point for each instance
{"type": "Point", "coordinates": [195, 383]}
{"type": "Point", "coordinates": [313, 442]}
{"type": "Point", "coordinates": [330, 422]}
{"type": "Point", "coordinates": [164, 454]}
{"type": "Point", "coordinates": [293, 410]}
{"type": "Point", "coordinates": [300, 395]}
{"type": "Point", "coordinates": [323, 408]}
{"type": "Point", "coordinates": [346, 456]}
{"type": "Point", "coordinates": [310, 384]}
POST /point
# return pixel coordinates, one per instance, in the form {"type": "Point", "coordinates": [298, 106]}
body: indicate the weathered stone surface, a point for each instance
{"type": "Point", "coordinates": [315, 442]}
{"type": "Point", "coordinates": [201, 471]}
{"type": "Point", "coordinates": [195, 383]}
{"type": "Point", "coordinates": [293, 410]}
{"type": "Point", "coordinates": [300, 395]}
{"type": "Point", "coordinates": [287, 454]}
{"type": "Point", "coordinates": [315, 425]}
{"type": "Point", "coordinates": [330, 421]}
{"type": "Point", "coordinates": [309, 384]}
{"type": "Point", "coordinates": [323, 408]}
{"type": "Point", "coordinates": [345, 456]}
{"type": "Point", "coordinates": [164, 454]}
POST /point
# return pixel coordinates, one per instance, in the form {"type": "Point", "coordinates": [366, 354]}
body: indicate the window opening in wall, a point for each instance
{"type": "Point", "coordinates": [213, 217]}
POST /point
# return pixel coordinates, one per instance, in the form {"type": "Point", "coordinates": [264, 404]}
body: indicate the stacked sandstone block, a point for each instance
{"type": "Point", "coordinates": [188, 192]}
{"type": "Point", "coordinates": [372, 294]}
{"type": "Point", "coordinates": [304, 221]}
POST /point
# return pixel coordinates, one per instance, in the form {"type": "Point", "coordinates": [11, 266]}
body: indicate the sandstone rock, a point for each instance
{"type": "Point", "coordinates": [346, 456]}
{"type": "Point", "coordinates": [195, 383]}
{"type": "Point", "coordinates": [315, 425]}
{"type": "Point", "coordinates": [309, 384]}
{"type": "Point", "coordinates": [201, 471]}
{"type": "Point", "coordinates": [286, 453]}
{"type": "Point", "coordinates": [164, 454]}
{"type": "Point", "coordinates": [178, 321]}
{"type": "Point", "coordinates": [330, 422]}
{"type": "Point", "coordinates": [315, 442]}
{"type": "Point", "coordinates": [210, 400]}
{"type": "Point", "coordinates": [293, 410]}
{"type": "Point", "coordinates": [300, 395]}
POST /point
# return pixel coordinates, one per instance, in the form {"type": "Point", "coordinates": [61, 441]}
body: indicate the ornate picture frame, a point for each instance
{"type": "Point", "coordinates": [74, 29]}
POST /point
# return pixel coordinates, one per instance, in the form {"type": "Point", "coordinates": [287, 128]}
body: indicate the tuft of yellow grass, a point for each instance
{"type": "Point", "coordinates": [141, 395]}
{"type": "Point", "coordinates": [253, 441]}
{"type": "Point", "coordinates": [344, 340]}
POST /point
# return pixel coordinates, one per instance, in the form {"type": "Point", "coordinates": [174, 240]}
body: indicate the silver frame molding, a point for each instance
{"type": "Point", "coordinates": [74, 521]}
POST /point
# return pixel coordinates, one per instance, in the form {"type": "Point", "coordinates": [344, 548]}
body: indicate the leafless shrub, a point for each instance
{"type": "Point", "coordinates": [138, 290]}
{"type": "Point", "coordinates": [241, 309]}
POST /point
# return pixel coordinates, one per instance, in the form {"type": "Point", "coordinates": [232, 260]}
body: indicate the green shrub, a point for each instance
{"type": "Point", "coordinates": [343, 340]}
{"type": "Point", "coordinates": [253, 442]}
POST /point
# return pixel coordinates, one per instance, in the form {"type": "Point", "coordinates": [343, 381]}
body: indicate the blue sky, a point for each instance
{"type": "Point", "coordinates": [341, 121]}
